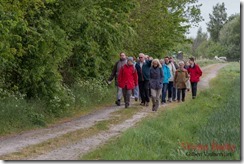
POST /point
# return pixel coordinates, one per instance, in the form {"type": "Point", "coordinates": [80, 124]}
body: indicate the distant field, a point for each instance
{"type": "Point", "coordinates": [207, 128]}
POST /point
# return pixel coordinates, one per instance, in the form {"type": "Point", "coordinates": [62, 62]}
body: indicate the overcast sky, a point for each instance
{"type": "Point", "coordinates": [232, 7]}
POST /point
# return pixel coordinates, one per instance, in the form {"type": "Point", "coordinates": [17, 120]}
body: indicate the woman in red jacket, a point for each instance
{"type": "Point", "coordinates": [195, 72]}
{"type": "Point", "coordinates": [127, 80]}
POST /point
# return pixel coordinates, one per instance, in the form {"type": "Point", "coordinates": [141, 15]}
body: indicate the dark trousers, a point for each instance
{"type": "Point", "coordinates": [174, 93]}
{"type": "Point", "coordinates": [194, 89]}
{"type": "Point", "coordinates": [183, 91]}
{"type": "Point", "coordinates": [144, 90]}
{"type": "Point", "coordinates": [170, 89]}
{"type": "Point", "coordinates": [164, 92]}
{"type": "Point", "coordinates": [126, 95]}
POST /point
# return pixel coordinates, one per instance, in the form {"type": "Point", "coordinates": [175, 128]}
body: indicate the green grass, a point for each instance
{"type": "Point", "coordinates": [213, 116]}
{"type": "Point", "coordinates": [18, 114]}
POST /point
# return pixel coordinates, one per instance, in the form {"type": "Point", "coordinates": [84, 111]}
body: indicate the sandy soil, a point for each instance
{"type": "Point", "coordinates": [74, 151]}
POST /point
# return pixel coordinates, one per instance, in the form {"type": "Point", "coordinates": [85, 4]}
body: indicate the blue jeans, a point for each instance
{"type": "Point", "coordinates": [164, 92]}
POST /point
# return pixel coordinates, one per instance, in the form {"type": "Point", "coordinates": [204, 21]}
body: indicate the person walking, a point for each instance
{"type": "Point", "coordinates": [166, 73]}
{"type": "Point", "coordinates": [143, 71]}
{"type": "Point", "coordinates": [127, 80]}
{"type": "Point", "coordinates": [171, 60]}
{"type": "Point", "coordinates": [180, 79]}
{"type": "Point", "coordinates": [156, 83]}
{"type": "Point", "coordinates": [135, 91]}
{"type": "Point", "coordinates": [195, 73]}
{"type": "Point", "coordinates": [171, 79]}
{"type": "Point", "coordinates": [118, 65]}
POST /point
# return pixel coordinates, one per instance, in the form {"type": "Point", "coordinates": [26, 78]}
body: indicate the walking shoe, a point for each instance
{"type": "Point", "coordinates": [132, 97]}
{"type": "Point", "coordinates": [147, 103]}
{"type": "Point", "coordinates": [117, 102]}
{"type": "Point", "coordinates": [136, 98]}
{"type": "Point", "coordinates": [193, 97]}
{"type": "Point", "coordinates": [142, 103]}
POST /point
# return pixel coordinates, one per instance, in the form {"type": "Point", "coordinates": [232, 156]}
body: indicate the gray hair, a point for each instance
{"type": "Point", "coordinates": [156, 60]}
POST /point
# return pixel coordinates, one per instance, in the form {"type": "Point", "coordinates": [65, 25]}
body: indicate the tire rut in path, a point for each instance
{"type": "Point", "coordinates": [16, 143]}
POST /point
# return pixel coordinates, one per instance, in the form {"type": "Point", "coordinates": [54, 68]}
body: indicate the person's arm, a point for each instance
{"type": "Point", "coordinates": [135, 77]}
{"type": "Point", "coordinates": [199, 71]}
{"type": "Point", "coordinates": [120, 76]}
{"type": "Point", "coordinates": [113, 74]}
{"type": "Point", "coordinates": [162, 74]}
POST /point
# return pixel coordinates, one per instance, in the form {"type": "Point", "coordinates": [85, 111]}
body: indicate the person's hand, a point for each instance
{"type": "Point", "coordinates": [109, 82]}
{"type": "Point", "coordinates": [150, 58]}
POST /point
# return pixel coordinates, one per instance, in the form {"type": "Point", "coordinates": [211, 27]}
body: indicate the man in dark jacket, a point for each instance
{"type": "Point", "coordinates": [115, 73]}
{"type": "Point", "coordinates": [195, 72]}
{"type": "Point", "coordinates": [143, 71]}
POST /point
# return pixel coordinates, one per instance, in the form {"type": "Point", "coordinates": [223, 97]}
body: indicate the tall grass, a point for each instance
{"type": "Point", "coordinates": [213, 117]}
{"type": "Point", "coordinates": [17, 114]}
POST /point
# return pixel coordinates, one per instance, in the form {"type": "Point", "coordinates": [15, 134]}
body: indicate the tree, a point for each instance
{"type": "Point", "coordinates": [161, 24]}
{"type": "Point", "coordinates": [200, 38]}
{"type": "Point", "coordinates": [230, 38]}
{"type": "Point", "coordinates": [217, 20]}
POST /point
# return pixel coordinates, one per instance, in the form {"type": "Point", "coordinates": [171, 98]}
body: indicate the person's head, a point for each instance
{"type": "Point", "coordinates": [141, 57]}
{"type": "Point", "coordinates": [122, 56]}
{"type": "Point", "coordinates": [187, 63]}
{"type": "Point", "coordinates": [166, 59]}
{"type": "Point", "coordinates": [156, 63]}
{"type": "Point", "coordinates": [181, 64]}
{"type": "Point", "coordinates": [191, 60]}
{"type": "Point", "coordinates": [146, 57]}
{"type": "Point", "coordinates": [171, 59]}
{"type": "Point", "coordinates": [161, 61]}
{"type": "Point", "coordinates": [130, 61]}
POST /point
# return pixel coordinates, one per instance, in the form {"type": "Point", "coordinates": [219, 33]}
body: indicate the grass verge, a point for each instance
{"type": "Point", "coordinates": [206, 128]}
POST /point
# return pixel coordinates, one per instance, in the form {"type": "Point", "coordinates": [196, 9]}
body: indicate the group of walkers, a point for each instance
{"type": "Point", "coordinates": [145, 77]}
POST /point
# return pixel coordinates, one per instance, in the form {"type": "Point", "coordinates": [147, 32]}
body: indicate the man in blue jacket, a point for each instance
{"type": "Point", "coordinates": [143, 71]}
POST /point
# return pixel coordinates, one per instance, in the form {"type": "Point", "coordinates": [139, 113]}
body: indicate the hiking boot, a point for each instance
{"type": "Point", "coordinates": [136, 98]}
{"type": "Point", "coordinates": [142, 103]}
{"type": "Point", "coordinates": [117, 102]}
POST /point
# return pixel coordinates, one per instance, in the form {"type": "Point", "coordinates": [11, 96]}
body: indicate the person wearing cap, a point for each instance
{"type": "Point", "coordinates": [127, 80]}
{"type": "Point", "coordinates": [180, 79]}
{"type": "Point", "coordinates": [118, 65]}
{"type": "Point", "coordinates": [195, 73]}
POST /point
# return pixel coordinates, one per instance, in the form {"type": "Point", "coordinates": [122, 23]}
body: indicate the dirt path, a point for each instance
{"type": "Point", "coordinates": [74, 150]}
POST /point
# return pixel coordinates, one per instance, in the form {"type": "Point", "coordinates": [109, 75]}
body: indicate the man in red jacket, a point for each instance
{"type": "Point", "coordinates": [195, 72]}
{"type": "Point", "coordinates": [127, 80]}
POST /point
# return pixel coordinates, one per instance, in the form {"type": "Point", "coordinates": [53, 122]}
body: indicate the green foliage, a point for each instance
{"type": "Point", "coordinates": [217, 20]}
{"type": "Point", "coordinates": [48, 48]}
{"type": "Point", "coordinates": [213, 116]}
{"type": "Point", "coordinates": [230, 38]}
{"type": "Point", "coordinates": [159, 25]}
